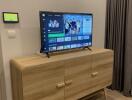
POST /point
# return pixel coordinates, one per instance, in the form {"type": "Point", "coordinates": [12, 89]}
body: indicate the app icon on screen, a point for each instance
{"type": "Point", "coordinates": [85, 44]}
{"type": "Point", "coordinates": [60, 39]}
{"type": "Point", "coordinates": [80, 38]}
{"type": "Point", "coordinates": [67, 46]}
{"type": "Point", "coordinates": [59, 47]}
{"type": "Point", "coordinates": [52, 40]}
{"type": "Point", "coordinates": [86, 37]}
{"type": "Point", "coordinates": [52, 48]}
{"type": "Point", "coordinates": [67, 38]}
{"type": "Point", "coordinates": [79, 45]}
{"type": "Point", "coordinates": [43, 15]}
{"type": "Point", "coordinates": [73, 45]}
{"type": "Point", "coordinates": [74, 38]}
{"type": "Point", "coordinates": [90, 43]}
{"type": "Point", "coordinates": [53, 24]}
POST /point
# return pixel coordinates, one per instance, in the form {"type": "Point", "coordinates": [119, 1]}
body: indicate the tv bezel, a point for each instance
{"type": "Point", "coordinates": [10, 21]}
{"type": "Point", "coordinates": [41, 30]}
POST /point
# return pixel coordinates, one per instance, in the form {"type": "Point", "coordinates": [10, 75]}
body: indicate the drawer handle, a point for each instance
{"type": "Point", "coordinates": [60, 85]}
{"type": "Point", "coordinates": [69, 82]}
{"type": "Point", "coordinates": [95, 74]}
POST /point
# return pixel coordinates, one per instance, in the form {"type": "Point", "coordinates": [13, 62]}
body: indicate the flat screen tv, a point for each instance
{"type": "Point", "coordinates": [64, 31]}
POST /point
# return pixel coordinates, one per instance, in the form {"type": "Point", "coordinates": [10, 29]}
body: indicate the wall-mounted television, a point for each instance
{"type": "Point", "coordinates": [64, 31]}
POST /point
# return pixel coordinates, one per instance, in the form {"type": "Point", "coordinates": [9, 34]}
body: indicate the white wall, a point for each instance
{"type": "Point", "coordinates": [2, 80]}
{"type": "Point", "coordinates": [27, 39]}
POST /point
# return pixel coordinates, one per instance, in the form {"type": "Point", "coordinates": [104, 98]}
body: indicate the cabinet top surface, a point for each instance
{"type": "Point", "coordinates": [38, 59]}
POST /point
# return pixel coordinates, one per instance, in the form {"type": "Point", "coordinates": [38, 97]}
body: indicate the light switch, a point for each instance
{"type": "Point", "coordinates": [11, 34]}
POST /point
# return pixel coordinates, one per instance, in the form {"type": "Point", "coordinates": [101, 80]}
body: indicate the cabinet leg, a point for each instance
{"type": "Point", "coordinates": [105, 94]}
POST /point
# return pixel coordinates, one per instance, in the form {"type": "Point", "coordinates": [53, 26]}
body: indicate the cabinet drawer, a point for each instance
{"type": "Point", "coordinates": [77, 77]}
{"type": "Point", "coordinates": [42, 82]}
{"type": "Point", "coordinates": [102, 69]}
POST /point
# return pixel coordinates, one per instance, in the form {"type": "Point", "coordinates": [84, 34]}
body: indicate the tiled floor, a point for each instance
{"type": "Point", "coordinates": [114, 95]}
{"type": "Point", "coordinates": [110, 95]}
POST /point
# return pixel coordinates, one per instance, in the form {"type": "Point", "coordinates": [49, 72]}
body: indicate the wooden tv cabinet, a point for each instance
{"type": "Point", "coordinates": [68, 76]}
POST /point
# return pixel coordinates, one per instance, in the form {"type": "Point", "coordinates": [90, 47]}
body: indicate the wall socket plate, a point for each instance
{"type": "Point", "coordinates": [11, 34]}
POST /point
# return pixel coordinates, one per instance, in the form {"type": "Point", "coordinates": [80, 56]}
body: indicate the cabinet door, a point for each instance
{"type": "Point", "coordinates": [102, 69]}
{"type": "Point", "coordinates": [77, 77]}
{"type": "Point", "coordinates": [44, 82]}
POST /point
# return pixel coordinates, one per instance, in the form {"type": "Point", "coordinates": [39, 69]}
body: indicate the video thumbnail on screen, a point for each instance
{"type": "Point", "coordinates": [73, 24]}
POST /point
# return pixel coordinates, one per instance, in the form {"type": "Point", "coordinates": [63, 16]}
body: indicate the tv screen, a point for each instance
{"type": "Point", "coordinates": [63, 31]}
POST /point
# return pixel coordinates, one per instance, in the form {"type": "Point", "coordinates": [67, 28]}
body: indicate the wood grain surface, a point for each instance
{"type": "Point", "coordinates": [66, 76]}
